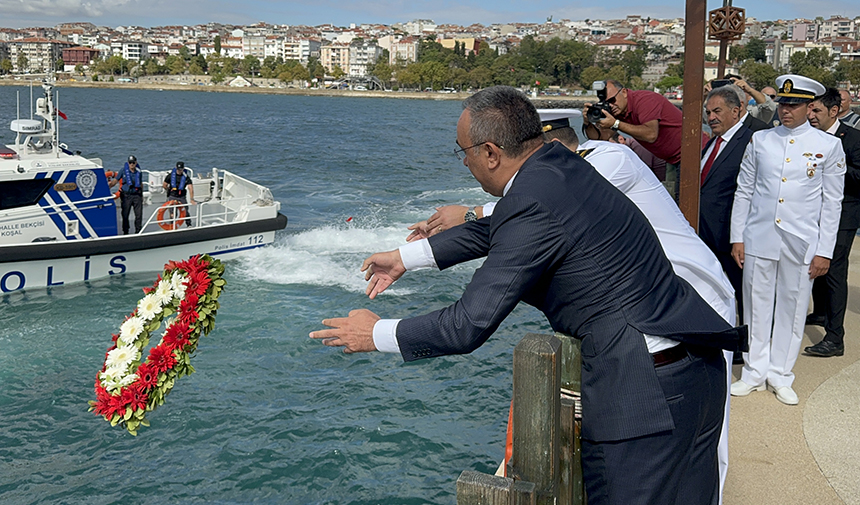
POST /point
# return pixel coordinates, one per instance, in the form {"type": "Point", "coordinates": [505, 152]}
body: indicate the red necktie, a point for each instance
{"type": "Point", "coordinates": [711, 158]}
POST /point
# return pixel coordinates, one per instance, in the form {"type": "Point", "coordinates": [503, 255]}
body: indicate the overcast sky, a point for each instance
{"type": "Point", "coordinates": [113, 13]}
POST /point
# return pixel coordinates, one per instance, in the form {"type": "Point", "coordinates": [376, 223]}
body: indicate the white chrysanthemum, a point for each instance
{"type": "Point", "coordinates": [110, 378]}
{"type": "Point", "coordinates": [121, 357]}
{"type": "Point", "coordinates": [164, 292]}
{"type": "Point", "coordinates": [177, 282]}
{"type": "Point", "coordinates": [148, 307]}
{"type": "Point", "coordinates": [131, 329]}
{"type": "Point", "coordinates": [128, 379]}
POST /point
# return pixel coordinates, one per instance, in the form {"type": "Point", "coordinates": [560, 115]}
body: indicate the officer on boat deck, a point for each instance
{"type": "Point", "coordinates": [131, 195]}
{"type": "Point", "coordinates": [178, 183]}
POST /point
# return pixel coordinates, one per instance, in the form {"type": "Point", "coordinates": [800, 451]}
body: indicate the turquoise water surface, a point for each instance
{"type": "Point", "coordinates": [270, 416]}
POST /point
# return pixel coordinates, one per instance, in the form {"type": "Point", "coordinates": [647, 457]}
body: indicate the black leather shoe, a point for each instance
{"type": "Point", "coordinates": [814, 320]}
{"type": "Point", "coordinates": [825, 349]}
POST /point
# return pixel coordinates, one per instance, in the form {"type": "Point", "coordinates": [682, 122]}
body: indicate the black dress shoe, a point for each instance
{"type": "Point", "coordinates": [814, 320]}
{"type": "Point", "coordinates": [825, 349]}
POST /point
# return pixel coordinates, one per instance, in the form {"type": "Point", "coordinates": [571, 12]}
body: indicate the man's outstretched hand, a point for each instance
{"type": "Point", "coordinates": [353, 333]}
{"type": "Point", "coordinates": [382, 269]}
{"type": "Point", "coordinates": [443, 219]}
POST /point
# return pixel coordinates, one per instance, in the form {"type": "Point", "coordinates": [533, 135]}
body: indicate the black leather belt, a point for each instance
{"type": "Point", "coordinates": [669, 356]}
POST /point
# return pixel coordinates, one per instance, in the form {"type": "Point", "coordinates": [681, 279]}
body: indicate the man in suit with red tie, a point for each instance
{"type": "Point", "coordinates": [564, 240]}
{"type": "Point", "coordinates": [830, 291]}
{"type": "Point", "coordinates": [721, 161]}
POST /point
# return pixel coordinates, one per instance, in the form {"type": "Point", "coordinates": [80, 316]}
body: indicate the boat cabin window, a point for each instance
{"type": "Point", "coordinates": [23, 193]}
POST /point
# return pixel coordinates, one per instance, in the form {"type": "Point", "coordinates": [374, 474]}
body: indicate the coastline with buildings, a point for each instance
{"type": "Point", "coordinates": [640, 50]}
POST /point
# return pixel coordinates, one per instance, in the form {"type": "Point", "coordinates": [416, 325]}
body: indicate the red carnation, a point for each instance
{"type": "Point", "coordinates": [147, 291]}
{"type": "Point", "coordinates": [176, 336]}
{"type": "Point", "coordinates": [198, 282]}
{"type": "Point", "coordinates": [147, 376]}
{"type": "Point", "coordinates": [102, 406]}
{"type": "Point", "coordinates": [137, 396]}
{"type": "Point", "coordinates": [114, 338]}
{"type": "Point", "coordinates": [161, 358]}
{"type": "Point", "coordinates": [117, 404]}
{"type": "Point", "coordinates": [188, 309]}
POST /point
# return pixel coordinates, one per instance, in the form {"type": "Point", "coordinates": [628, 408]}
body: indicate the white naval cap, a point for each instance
{"type": "Point", "coordinates": [553, 119]}
{"type": "Point", "coordinates": [793, 88]}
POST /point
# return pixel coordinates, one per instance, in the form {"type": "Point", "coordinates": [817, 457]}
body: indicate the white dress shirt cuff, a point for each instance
{"type": "Point", "coordinates": [488, 209]}
{"type": "Point", "coordinates": [418, 254]}
{"type": "Point", "coordinates": [385, 335]}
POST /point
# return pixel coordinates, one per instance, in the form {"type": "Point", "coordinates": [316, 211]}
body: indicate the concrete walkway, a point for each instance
{"type": "Point", "coordinates": [808, 453]}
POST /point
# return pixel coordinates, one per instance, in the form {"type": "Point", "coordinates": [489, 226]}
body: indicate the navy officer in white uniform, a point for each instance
{"type": "Point", "coordinates": [783, 231]}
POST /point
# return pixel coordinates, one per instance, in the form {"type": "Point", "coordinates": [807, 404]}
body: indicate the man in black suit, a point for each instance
{"type": "Point", "coordinates": [719, 180]}
{"type": "Point", "coordinates": [830, 291]}
{"type": "Point", "coordinates": [564, 240]}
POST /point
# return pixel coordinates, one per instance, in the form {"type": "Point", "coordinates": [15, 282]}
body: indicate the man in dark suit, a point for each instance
{"type": "Point", "coordinates": [564, 240]}
{"type": "Point", "coordinates": [830, 291]}
{"type": "Point", "coordinates": [720, 179]}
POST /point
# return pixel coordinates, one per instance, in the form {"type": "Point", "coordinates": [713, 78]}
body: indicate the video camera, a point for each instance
{"type": "Point", "coordinates": [596, 111]}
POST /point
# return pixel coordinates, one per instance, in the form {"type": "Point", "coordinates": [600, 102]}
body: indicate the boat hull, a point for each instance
{"type": "Point", "coordinates": [41, 265]}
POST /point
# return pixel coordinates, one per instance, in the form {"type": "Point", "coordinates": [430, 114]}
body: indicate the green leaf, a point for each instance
{"type": "Point", "coordinates": [115, 420]}
{"type": "Point", "coordinates": [128, 414]}
{"type": "Point", "coordinates": [144, 422]}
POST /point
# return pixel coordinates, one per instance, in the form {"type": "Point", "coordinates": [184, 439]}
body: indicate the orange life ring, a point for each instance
{"type": "Point", "coordinates": [110, 174]}
{"type": "Point", "coordinates": [175, 223]}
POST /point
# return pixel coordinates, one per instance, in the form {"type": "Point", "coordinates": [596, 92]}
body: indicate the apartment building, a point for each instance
{"type": "Point", "coordinates": [41, 54]}
{"type": "Point", "coordinates": [836, 27]}
{"type": "Point", "coordinates": [301, 49]}
{"type": "Point", "coordinates": [361, 55]}
{"type": "Point", "coordinates": [74, 56]}
{"type": "Point", "coordinates": [333, 55]}
{"type": "Point", "coordinates": [254, 45]}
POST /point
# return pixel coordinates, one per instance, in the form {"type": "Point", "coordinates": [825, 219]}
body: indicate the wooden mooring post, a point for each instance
{"type": "Point", "coordinates": [545, 467]}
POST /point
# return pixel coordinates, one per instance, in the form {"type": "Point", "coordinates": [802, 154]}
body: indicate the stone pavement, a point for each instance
{"type": "Point", "coordinates": [808, 453]}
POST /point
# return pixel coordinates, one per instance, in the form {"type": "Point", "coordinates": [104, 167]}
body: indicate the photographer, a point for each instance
{"type": "Point", "coordinates": [764, 107]}
{"type": "Point", "coordinates": [644, 115]}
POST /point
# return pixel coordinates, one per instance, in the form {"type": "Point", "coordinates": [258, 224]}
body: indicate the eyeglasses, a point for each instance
{"type": "Point", "coordinates": [459, 153]}
{"type": "Point", "coordinates": [611, 101]}
{"type": "Point", "coordinates": [772, 96]}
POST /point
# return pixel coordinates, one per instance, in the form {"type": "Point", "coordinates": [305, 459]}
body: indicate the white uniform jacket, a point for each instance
{"type": "Point", "coordinates": [789, 190]}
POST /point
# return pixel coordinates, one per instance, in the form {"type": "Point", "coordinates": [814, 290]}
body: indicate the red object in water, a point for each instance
{"type": "Point", "coordinates": [60, 113]}
{"type": "Point", "coordinates": [349, 219]}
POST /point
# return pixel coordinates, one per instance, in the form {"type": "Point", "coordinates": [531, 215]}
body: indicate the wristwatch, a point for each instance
{"type": "Point", "coordinates": [470, 216]}
{"type": "Point", "coordinates": [616, 125]}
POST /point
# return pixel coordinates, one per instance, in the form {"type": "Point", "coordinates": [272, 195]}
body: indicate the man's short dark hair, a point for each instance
{"type": "Point", "coordinates": [567, 136]}
{"type": "Point", "coordinates": [615, 83]}
{"type": "Point", "coordinates": [831, 98]}
{"type": "Point", "coordinates": [504, 116]}
{"type": "Point", "coordinates": [727, 93]}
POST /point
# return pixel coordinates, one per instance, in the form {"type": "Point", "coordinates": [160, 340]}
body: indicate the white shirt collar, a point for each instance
{"type": "Point", "coordinates": [731, 131]}
{"type": "Point", "coordinates": [510, 182]}
{"type": "Point", "coordinates": [833, 127]}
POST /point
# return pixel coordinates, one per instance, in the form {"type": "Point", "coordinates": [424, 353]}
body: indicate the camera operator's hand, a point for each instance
{"type": "Point", "coordinates": [585, 107]}
{"type": "Point", "coordinates": [608, 120]}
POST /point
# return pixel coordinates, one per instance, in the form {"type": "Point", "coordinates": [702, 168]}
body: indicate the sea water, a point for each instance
{"type": "Point", "coordinates": [270, 416]}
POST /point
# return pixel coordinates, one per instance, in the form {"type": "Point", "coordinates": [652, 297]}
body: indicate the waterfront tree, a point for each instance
{"type": "Point", "coordinates": [195, 69]}
{"type": "Point", "coordinates": [79, 69]}
{"type": "Point", "coordinates": [756, 49]}
{"type": "Point", "coordinates": [6, 66]}
{"type": "Point", "coordinates": [591, 74]}
{"type": "Point", "coordinates": [758, 74]}
{"type": "Point", "coordinates": [23, 63]}
{"type": "Point", "coordinates": [337, 72]}
{"type": "Point", "coordinates": [250, 66]}
{"type": "Point", "coordinates": [217, 44]}
{"type": "Point", "coordinates": [175, 65]}
{"type": "Point", "coordinates": [59, 65]}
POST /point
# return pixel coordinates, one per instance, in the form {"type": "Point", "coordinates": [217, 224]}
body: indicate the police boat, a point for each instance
{"type": "Point", "coordinates": [60, 221]}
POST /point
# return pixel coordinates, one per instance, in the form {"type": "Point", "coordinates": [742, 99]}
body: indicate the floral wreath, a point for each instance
{"type": "Point", "coordinates": [126, 388]}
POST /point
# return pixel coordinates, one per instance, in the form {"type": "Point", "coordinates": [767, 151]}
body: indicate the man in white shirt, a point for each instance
{"type": "Point", "coordinates": [784, 224]}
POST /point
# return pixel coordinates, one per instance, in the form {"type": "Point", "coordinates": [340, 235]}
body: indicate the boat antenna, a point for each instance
{"type": "Point", "coordinates": [31, 102]}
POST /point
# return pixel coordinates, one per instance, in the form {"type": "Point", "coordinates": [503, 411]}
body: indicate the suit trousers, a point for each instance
{"type": "Point", "coordinates": [131, 201]}
{"type": "Point", "coordinates": [830, 291]}
{"type": "Point", "coordinates": [678, 466]}
{"type": "Point", "coordinates": [736, 278]}
{"type": "Point", "coordinates": [776, 299]}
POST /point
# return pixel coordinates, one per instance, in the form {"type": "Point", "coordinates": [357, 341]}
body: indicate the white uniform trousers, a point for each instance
{"type": "Point", "coordinates": [776, 300]}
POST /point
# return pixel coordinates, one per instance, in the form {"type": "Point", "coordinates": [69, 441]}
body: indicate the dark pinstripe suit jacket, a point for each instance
{"type": "Point", "coordinates": [567, 242]}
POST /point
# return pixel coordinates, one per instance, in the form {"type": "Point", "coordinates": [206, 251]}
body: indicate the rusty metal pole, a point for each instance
{"type": "Point", "coordinates": [691, 143]}
{"type": "Point", "coordinates": [721, 63]}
